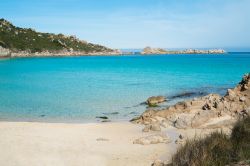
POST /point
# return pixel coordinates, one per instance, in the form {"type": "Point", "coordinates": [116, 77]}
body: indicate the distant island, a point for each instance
{"type": "Point", "coordinates": [22, 42]}
{"type": "Point", "coordinates": [149, 50]}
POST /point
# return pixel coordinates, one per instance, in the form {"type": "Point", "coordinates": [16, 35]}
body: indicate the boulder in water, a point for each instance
{"type": "Point", "coordinates": [154, 100]}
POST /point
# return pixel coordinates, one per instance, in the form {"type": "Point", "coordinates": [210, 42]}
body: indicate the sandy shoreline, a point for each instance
{"type": "Point", "coordinates": [95, 144]}
{"type": "Point", "coordinates": [32, 143]}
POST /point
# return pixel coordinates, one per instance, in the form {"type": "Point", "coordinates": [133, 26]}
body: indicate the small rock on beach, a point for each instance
{"type": "Point", "coordinates": [152, 139]}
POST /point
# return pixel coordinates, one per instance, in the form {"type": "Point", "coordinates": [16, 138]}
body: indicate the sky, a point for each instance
{"type": "Point", "coordinates": [139, 23]}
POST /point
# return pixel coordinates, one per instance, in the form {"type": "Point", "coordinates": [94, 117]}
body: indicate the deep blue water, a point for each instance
{"type": "Point", "coordinates": [77, 89]}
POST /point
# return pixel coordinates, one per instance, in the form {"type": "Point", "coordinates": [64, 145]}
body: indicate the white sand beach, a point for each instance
{"type": "Point", "coordinates": [100, 144]}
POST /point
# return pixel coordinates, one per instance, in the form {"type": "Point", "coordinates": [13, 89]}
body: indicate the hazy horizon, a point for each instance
{"type": "Point", "coordinates": [139, 23]}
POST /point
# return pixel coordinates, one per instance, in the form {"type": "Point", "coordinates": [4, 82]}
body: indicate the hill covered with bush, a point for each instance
{"type": "Point", "coordinates": [30, 41]}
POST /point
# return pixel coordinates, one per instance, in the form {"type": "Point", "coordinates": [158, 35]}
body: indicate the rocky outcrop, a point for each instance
{"type": "Point", "coordinates": [154, 100]}
{"type": "Point", "coordinates": [152, 127]}
{"type": "Point", "coordinates": [4, 52]}
{"type": "Point", "coordinates": [149, 50]}
{"type": "Point", "coordinates": [212, 110]}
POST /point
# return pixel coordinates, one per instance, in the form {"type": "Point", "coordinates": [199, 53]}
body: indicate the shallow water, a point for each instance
{"type": "Point", "coordinates": [77, 89]}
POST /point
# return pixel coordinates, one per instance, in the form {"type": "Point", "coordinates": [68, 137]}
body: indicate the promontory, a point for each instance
{"type": "Point", "coordinates": [24, 42]}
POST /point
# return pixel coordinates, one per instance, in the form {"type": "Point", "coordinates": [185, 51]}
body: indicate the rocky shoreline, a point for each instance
{"type": "Point", "coordinates": [196, 117]}
{"type": "Point", "coordinates": [6, 53]}
{"type": "Point", "coordinates": [209, 111]}
{"type": "Point", "coordinates": [63, 53]}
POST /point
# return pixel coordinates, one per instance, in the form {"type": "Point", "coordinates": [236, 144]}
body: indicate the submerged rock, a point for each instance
{"type": "Point", "coordinates": [106, 120]}
{"type": "Point", "coordinates": [111, 113]}
{"type": "Point", "coordinates": [187, 95]}
{"type": "Point", "coordinates": [102, 117]}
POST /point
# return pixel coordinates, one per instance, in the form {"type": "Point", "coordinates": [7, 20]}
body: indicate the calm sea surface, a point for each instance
{"type": "Point", "coordinates": [77, 89]}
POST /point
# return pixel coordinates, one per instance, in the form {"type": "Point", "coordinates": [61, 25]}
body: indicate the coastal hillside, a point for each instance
{"type": "Point", "coordinates": [25, 41]}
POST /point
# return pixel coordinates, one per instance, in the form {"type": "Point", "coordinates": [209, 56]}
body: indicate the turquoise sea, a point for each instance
{"type": "Point", "coordinates": [77, 89]}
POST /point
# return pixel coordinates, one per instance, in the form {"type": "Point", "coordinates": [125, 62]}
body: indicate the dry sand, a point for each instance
{"type": "Point", "coordinates": [58, 144]}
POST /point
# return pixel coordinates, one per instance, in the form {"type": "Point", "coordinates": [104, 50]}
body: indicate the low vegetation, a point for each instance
{"type": "Point", "coordinates": [241, 139]}
{"type": "Point", "coordinates": [217, 149]}
{"type": "Point", "coordinates": [26, 39]}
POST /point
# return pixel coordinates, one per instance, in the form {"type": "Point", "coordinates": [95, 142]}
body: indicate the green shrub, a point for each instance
{"type": "Point", "coordinates": [217, 149]}
{"type": "Point", "coordinates": [241, 139]}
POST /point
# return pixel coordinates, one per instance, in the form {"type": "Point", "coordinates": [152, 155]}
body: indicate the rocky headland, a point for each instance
{"type": "Point", "coordinates": [149, 51]}
{"type": "Point", "coordinates": [26, 42]}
